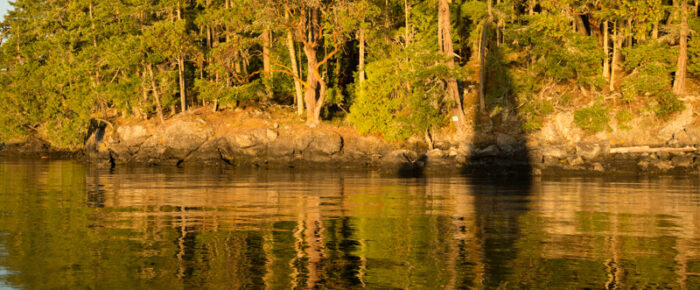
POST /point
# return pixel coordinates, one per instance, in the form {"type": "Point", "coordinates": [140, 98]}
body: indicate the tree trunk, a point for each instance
{"type": "Point", "coordinates": [313, 77]}
{"type": "Point", "coordinates": [616, 50]}
{"type": "Point", "coordinates": [580, 25]}
{"type": "Point", "coordinates": [181, 74]}
{"type": "Point", "coordinates": [295, 70]}
{"type": "Point", "coordinates": [181, 70]}
{"type": "Point", "coordinates": [312, 83]}
{"type": "Point", "coordinates": [267, 43]}
{"type": "Point", "coordinates": [156, 96]}
{"type": "Point", "coordinates": [630, 38]}
{"type": "Point", "coordinates": [482, 66]}
{"type": "Point", "coordinates": [679, 82]}
{"type": "Point", "coordinates": [446, 46]}
{"type": "Point", "coordinates": [606, 51]}
{"type": "Point", "coordinates": [408, 24]}
{"type": "Point", "coordinates": [361, 66]}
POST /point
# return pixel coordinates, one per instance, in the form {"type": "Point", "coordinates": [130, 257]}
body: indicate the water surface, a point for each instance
{"type": "Point", "coordinates": [66, 225]}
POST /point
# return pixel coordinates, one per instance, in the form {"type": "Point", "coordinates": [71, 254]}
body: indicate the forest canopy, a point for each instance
{"type": "Point", "coordinates": [391, 67]}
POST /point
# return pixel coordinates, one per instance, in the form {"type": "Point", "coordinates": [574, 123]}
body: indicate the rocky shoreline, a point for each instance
{"type": "Point", "coordinates": [257, 140]}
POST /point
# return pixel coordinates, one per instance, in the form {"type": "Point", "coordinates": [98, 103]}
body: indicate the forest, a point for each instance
{"type": "Point", "coordinates": [396, 68]}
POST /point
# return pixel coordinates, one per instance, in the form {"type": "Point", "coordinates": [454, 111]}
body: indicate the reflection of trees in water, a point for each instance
{"type": "Point", "coordinates": [148, 228]}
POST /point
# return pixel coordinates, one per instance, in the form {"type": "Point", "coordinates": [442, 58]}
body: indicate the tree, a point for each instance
{"type": "Point", "coordinates": [682, 66]}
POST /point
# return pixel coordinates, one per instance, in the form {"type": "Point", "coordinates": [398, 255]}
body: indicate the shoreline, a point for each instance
{"type": "Point", "coordinates": [241, 140]}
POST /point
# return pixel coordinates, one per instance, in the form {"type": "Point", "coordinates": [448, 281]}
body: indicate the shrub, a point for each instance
{"type": "Point", "coordinates": [623, 117]}
{"type": "Point", "coordinates": [650, 66]}
{"type": "Point", "coordinates": [668, 104]}
{"type": "Point", "coordinates": [403, 95]}
{"type": "Point", "coordinates": [592, 119]}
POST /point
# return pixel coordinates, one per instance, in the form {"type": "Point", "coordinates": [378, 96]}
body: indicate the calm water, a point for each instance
{"type": "Point", "coordinates": [64, 225]}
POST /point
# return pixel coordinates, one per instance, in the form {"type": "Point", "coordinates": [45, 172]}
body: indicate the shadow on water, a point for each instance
{"type": "Point", "coordinates": [501, 173]}
{"type": "Point", "coordinates": [499, 204]}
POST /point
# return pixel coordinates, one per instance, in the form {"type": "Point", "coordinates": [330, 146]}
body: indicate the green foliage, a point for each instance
{"type": "Point", "coordinates": [65, 62]}
{"type": "Point", "coordinates": [694, 47]}
{"type": "Point", "coordinates": [592, 119]}
{"type": "Point", "coordinates": [623, 118]}
{"type": "Point", "coordinates": [650, 66]}
{"type": "Point", "coordinates": [559, 53]}
{"type": "Point", "coordinates": [212, 91]}
{"type": "Point", "coordinates": [668, 104]}
{"type": "Point", "coordinates": [403, 95]}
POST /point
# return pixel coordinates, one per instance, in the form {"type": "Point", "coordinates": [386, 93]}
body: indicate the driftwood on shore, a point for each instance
{"type": "Point", "coordinates": [647, 149]}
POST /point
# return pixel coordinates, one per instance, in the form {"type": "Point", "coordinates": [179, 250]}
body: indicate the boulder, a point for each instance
{"type": "Point", "coordinates": [677, 125]}
{"type": "Point", "coordinates": [435, 154]}
{"type": "Point", "coordinates": [662, 155]}
{"type": "Point", "coordinates": [325, 143]}
{"type": "Point", "coordinates": [588, 151]}
{"type": "Point", "coordinates": [281, 146]}
{"type": "Point", "coordinates": [507, 143]}
{"type": "Point", "coordinates": [399, 160]}
{"type": "Point", "coordinates": [597, 167]}
{"type": "Point", "coordinates": [490, 151]}
{"type": "Point", "coordinates": [682, 161]}
{"type": "Point", "coordinates": [660, 165]}
{"type": "Point", "coordinates": [120, 153]}
{"type": "Point", "coordinates": [575, 161]}
{"type": "Point", "coordinates": [364, 146]}
{"type": "Point", "coordinates": [206, 154]}
{"type": "Point", "coordinates": [175, 142]}
{"type": "Point", "coordinates": [132, 136]}
{"type": "Point", "coordinates": [555, 151]}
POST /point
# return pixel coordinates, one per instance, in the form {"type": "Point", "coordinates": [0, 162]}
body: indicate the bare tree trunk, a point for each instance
{"type": "Point", "coordinates": [181, 70]}
{"type": "Point", "coordinates": [267, 43]}
{"type": "Point", "coordinates": [580, 26]}
{"type": "Point", "coordinates": [606, 51]}
{"type": "Point", "coordinates": [407, 32]}
{"type": "Point", "coordinates": [679, 82]}
{"type": "Point", "coordinates": [616, 50]}
{"type": "Point", "coordinates": [630, 38]}
{"type": "Point", "coordinates": [361, 66]}
{"type": "Point", "coordinates": [313, 78]}
{"type": "Point", "coordinates": [181, 74]}
{"type": "Point", "coordinates": [482, 66]}
{"type": "Point", "coordinates": [446, 46]}
{"type": "Point", "coordinates": [156, 96]}
{"type": "Point", "coordinates": [295, 70]}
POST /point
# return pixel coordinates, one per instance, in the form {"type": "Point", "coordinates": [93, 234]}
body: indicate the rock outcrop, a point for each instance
{"type": "Point", "coordinates": [220, 139]}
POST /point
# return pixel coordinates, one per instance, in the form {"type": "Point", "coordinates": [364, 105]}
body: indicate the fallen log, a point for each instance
{"type": "Point", "coordinates": [647, 149]}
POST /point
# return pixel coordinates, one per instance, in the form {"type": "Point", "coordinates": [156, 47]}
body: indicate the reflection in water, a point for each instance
{"type": "Point", "coordinates": [63, 225]}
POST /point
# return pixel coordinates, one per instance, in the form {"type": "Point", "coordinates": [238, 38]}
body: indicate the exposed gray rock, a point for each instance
{"type": "Point", "coordinates": [682, 161]}
{"type": "Point", "coordinates": [662, 155]}
{"type": "Point", "coordinates": [507, 143]}
{"type": "Point", "coordinates": [588, 151]}
{"type": "Point", "coordinates": [597, 167]}
{"type": "Point", "coordinates": [281, 146]}
{"type": "Point", "coordinates": [555, 151]}
{"type": "Point", "coordinates": [175, 142]}
{"type": "Point", "coordinates": [401, 161]}
{"type": "Point", "coordinates": [327, 143]}
{"type": "Point", "coordinates": [489, 151]}
{"type": "Point", "coordinates": [435, 154]}
{"type": "Point", "coordinates": [660, 165]}
{"type": "Point", "coordinates": [206, 154]}
{"type": "Point", "coordinates": [132, 136]}
{"type": "Point", "coordinates": [120, 153]}
{"type": "Point", "coordinates": [575, 160]}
